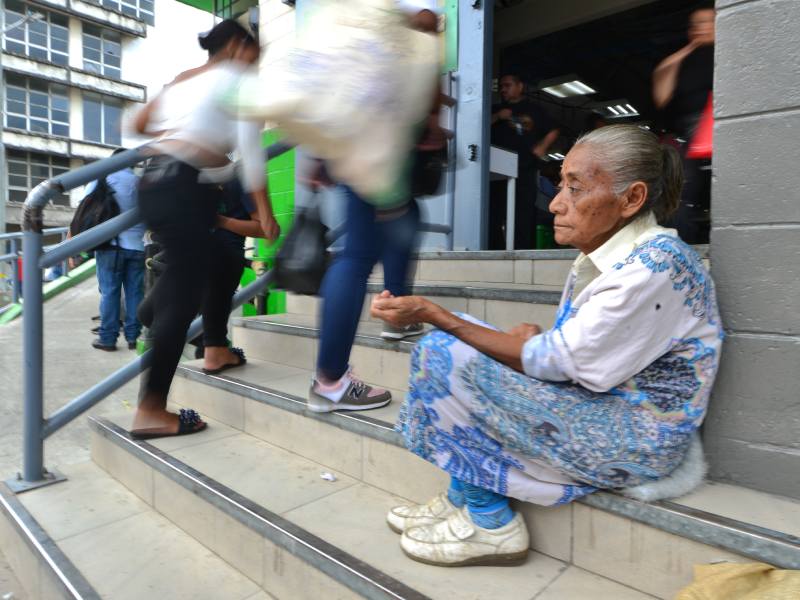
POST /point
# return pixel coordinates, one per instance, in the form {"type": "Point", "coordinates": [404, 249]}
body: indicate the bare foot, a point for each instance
{"type": "Point", "coordinates": [160, 422]}
{"type": "Point", "coordinates": [217, 357]}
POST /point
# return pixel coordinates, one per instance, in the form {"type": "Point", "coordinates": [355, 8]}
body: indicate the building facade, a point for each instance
{"type": "Point", "coordinates": [73, 71]}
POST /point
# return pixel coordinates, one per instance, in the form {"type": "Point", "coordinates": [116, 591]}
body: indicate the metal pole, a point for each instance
{"type": "Point", "coordinates": [15, 282]}
{"type": "Point", "coordinates": [511, 212]}
{"type": "Point", "coordinates": [3, 163]}
{"type": "Point", "coordinates": [65, 264]}
{"type": "Point", "coordinates": [32, 367]}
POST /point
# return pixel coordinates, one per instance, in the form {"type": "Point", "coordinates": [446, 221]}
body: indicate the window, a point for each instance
{"type": "Point", "coordinates": [44, 39]}
{"type": "Point", "coordinates": [101, 119]}
{"type": "Point", "coordinates": [138, 9]}
{"type": "Point", "coordinates": [102, 51]}
{"type": "Point", "coordinates": [37, 106]}
{"type": "Point", "coordinates": [26, 170]}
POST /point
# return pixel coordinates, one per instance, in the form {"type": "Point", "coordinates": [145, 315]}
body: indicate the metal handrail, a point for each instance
{"type": "Point", "coordinates": [35, 427]}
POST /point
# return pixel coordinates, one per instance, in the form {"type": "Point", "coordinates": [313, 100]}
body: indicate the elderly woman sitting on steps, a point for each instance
{"type": "Point", "coordinates": [608, 398]}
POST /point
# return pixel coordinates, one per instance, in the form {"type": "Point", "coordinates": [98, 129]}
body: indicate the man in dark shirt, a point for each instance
{"type": "Point", "coordinates": [521, 127]}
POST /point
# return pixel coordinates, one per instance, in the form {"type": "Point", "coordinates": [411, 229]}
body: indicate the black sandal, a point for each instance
{"type": "Point", "coordinates": [188, 421]}
{"type": "Point", "coordinates": [239, 353]}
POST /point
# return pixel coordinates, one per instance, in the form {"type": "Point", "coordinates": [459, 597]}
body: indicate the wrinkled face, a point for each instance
{"type": "Point", "coordinates": [701, 26]}
{"type": "Point", "coordinates": [511, 89]}
{"type": "Point", "coordinates": [587, 211]}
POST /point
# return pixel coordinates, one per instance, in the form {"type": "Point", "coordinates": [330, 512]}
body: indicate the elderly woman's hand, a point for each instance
{"type": "Point", "coordinates": [525, 331]}
{"type": "Point", "coordinates": [400, 311]}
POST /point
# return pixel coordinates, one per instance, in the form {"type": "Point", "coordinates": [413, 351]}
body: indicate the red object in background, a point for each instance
{"type": "Point", "coordinates": [701, 145]}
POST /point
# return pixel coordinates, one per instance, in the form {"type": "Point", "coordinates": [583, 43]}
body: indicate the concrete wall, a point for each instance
{"type": "Point", "coordinates": [753, 428]}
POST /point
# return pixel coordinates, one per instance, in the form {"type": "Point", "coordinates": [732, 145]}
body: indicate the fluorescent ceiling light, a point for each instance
{"type": "Point", "coordinates": [616, 109]}
{"type": "Point", "coordinates": [556, 156]}
{"type": "Point", "coordinates": [565, 88]}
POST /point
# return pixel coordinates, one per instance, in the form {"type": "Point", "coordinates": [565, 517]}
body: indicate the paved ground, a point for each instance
{"type": "Point", "coordinates": [71, 366]}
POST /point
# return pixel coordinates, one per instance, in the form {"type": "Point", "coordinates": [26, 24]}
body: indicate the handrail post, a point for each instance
{"type": "Point", "coordinates": [15, 281]}
{"type": "Point", "coordinates": [33, 421]}
{"type": "Point", "coordinates": [65, 263]}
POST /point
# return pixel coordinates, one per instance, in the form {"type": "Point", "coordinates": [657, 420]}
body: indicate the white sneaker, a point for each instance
{"type": "Point", "coordinates": [435, 510]}
{"type": "Point", "coordinates": [390, 332]}
{"type": "Point", "coordinates": [457, 542]}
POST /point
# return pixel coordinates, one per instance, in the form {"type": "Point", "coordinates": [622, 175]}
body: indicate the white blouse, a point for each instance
{"type": "Point", "coordinates": [636, 298]}
{"type": "Point", "coordinates": [191, 110]}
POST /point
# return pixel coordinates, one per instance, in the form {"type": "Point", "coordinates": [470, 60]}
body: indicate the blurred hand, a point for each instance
{"type": "Point", "coordinates": [71, 262]}
{"type": "Point", "coordinates": [401, 311]}
{"type": "Point", "coordinates": [270, 228]}
{"type": "Point", "coordinates": [505, 114]}
{"type": "Point", "coordinates": [525, 331]}
{"type": "Point", "coordinates": [317, 177]}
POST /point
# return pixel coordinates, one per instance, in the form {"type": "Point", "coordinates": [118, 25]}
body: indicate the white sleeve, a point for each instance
{"type": "Point", "coordinates": [252, 163]}
{"type": "Point", "coordinates": [630, 320]}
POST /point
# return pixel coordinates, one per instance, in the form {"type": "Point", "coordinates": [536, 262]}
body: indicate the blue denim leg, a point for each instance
{"type": "Point", "coordinates": [109, 279]}
{"type": "Point", "coordinates": [398, 236]}
{"type": "Point", "coordinates": [133, 283]}
{"type": "Point", "coordinates": [345, 285]}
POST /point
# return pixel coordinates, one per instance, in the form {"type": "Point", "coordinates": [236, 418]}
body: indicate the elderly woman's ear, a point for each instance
{"type": "Point", "coordinates": [634, 199]}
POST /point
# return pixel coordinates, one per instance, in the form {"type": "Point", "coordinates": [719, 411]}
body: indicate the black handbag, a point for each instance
{"type": "Point", "coordinates": [427, 171]}
{"type": "Point", "coordinates": [302, 261]}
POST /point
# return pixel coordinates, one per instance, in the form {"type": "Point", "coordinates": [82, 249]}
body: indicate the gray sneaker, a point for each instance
{"type": "Point", "coordinates": [390, 332]}
{"type": "Point", "coordinates": [359, 396]}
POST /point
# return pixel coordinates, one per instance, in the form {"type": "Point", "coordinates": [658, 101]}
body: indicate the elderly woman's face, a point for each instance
{"type": "Point", "coordinates": [587, 212]}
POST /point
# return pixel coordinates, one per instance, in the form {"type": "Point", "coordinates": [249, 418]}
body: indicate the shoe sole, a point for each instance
{"type": "Point", "coordinates": [399, 336]}
{"type": "Point", "coordinates": [395, 529]}
{"type": "Point", "coordinates": [336, 406]}
{"type": "Point", "coordinates": [513, 559]}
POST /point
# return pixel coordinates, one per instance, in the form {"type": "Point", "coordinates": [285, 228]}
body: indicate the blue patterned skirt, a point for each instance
{"type": "Point", "coordinates": [541, 442]}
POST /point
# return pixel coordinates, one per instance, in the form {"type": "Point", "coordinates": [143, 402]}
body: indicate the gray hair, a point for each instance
{"type": "Point", "coordinates": [633, 154]}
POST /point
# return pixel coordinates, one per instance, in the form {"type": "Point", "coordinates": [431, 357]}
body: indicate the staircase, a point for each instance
{"type": "Point", "coordinates": [275, 501]}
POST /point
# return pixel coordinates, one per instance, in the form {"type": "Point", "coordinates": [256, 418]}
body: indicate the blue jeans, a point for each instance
{"type": "Point", "coordinates": [118, 269]}
{"type": "Point", "coordinates": [371, 236]}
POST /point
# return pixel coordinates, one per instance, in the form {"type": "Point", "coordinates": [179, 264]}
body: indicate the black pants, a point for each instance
{"type": "Point", "coordinates": [181, 213]}
{"type": "Point", "coordinates": [525, 212]}
{"type": "Point", "coordinates": [225, 272]}
{"type": "Point", "coordinates": [693, 218]}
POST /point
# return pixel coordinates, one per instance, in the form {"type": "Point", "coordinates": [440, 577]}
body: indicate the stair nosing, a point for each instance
{"type": "Point", "coordinates": [69, 577]}
{"type": "Point", "coordinates": [349, 421]}
{"type": "Point", "coordinates": [775, 547]}
{"type": "Point", "coordinates": [362, 339]}
{"type": "Point", "coordinates": [313, 550]}
{"type": "Point", "coordinates": [457, 289]}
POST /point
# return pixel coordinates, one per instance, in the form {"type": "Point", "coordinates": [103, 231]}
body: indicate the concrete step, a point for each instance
{"type": "Point", "coordinates": [543, 267]}
{"type": "Point", "coordinates": [91, 538]}
{"type": "Point", "coordinates": [291, 340]}
{"type": "Point", "coordinates": [650, 547]}
{"type": "Point", "coordinates": [268, 513]}
{"type": "Point", "coordinates": [486, 301]}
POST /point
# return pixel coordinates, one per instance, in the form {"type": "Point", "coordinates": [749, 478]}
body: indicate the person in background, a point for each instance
{"type": "Point", "coordinates": [179, 205]}
{"type": "Point", "coordinates": [237, 219]}
{"type": "Point", "coordinates": [521, 127]}
{"type": "Point", "coordinates": [682, 83]}
{"type": "Point", "coordinates": [120, 267]}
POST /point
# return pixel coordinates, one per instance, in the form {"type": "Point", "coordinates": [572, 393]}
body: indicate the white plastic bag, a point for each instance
{"type": "Point", "coordinates": [352, 90]}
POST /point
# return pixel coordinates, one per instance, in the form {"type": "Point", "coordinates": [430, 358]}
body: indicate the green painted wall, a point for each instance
{"type": "Point", "coordinates": [206, 5]}
{"type": "Point", "coordinates": [280, 181]}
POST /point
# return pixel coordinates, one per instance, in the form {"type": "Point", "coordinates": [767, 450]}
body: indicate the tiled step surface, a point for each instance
{"type": "Point", "coordinates": [124, 548]}
{"type": "Point", "coordinates": [503, 307]}
{"type": "Point", "coordinates": [344, 518]}
{"type": "Point", "coordinates": [266, 402]}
